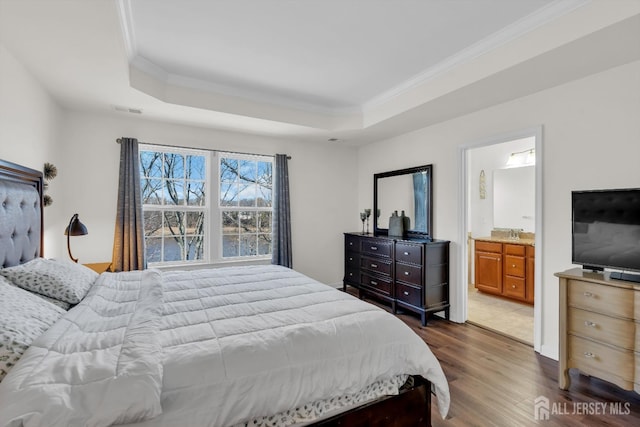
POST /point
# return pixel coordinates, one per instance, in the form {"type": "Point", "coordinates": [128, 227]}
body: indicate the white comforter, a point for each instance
{"type": "Point", "coordinates": [207, 348]}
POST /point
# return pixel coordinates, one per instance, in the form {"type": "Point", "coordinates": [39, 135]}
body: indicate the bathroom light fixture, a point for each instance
{"type": "Point", "coordinates": [522, 158]}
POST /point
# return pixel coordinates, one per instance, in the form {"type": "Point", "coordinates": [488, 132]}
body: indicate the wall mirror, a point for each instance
{"type": "Point", "coordinates": [409, 190]}
{"type": "Point", "coordinates": [514, 198]}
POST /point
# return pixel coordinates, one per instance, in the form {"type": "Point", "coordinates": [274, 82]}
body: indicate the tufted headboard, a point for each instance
{"type": "Point", "coordinates": [21, 223]}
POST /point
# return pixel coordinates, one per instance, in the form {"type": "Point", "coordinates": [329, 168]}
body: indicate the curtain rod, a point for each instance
{"type": "Point", "coordinates": [210, 149]}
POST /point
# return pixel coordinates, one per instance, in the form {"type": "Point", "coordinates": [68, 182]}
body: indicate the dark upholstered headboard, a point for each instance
{"type": "Point", "coordinates": [21, 223]}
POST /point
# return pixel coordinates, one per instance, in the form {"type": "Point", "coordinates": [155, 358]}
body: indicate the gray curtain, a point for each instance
{"type": "Point", "coordinates": [282, 253]}
{"type": "Point", "coordinates": [128, 240]}
{"type": "Point", "coordinates": [419, 200]}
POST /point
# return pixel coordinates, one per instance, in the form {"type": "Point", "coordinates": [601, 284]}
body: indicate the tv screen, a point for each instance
{"type": "Point", "coordinates": [606, 229]}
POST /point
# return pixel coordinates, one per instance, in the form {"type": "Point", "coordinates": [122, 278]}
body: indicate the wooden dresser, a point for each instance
{"type": "Point", "coordinates": [412, 274]}
{"type": "Point", "coordinates": [505, 268]}
{"type": "Point", "coordinates": [599, 328]}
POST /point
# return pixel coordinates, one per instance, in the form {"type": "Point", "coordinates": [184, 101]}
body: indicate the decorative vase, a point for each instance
{"type": "Point", "coordinates": [396, 225]}
{"type": "Point", "coordinates": [406, 222]}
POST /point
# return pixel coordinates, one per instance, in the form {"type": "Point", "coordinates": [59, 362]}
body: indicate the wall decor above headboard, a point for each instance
{"type": "Point", "coordinates": [21, 221]}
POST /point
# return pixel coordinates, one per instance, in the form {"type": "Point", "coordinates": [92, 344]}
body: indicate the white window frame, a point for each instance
{"type": "Point", "coordinates": [206, 208]}
{"type": "Point", "coordinates": [217, 216]}
{"type": "Point", "coordinates": [212, 210]}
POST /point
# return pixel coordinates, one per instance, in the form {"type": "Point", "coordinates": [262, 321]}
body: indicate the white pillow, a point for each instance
{"type": "Point", "coordinates": [59, 279]}
{"type": "Point", "coordinates": [23, 318]}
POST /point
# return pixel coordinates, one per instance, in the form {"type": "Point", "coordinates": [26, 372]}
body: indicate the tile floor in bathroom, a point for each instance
{"type": "Point", "coordinates": [502, 315]}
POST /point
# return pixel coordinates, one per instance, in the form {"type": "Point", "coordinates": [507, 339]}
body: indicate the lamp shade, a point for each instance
{"type": "Point", "coordinates": [75, 227]}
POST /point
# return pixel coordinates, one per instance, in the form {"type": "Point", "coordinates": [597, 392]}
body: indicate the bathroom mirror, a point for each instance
{"type": "Point", "coordinates": [514, 199]}
{"type": "Point", "coordinates": [409, 190]}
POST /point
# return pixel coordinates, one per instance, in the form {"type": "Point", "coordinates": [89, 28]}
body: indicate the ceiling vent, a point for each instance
{"type": "Point", "coordinates": [127, 109]}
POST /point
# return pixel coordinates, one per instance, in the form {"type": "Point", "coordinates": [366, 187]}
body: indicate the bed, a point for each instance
{"type": "Point", "coordinates": [234, 346]}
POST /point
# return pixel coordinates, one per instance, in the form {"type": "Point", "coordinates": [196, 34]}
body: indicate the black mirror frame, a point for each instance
{"type": "Point", "coordinates": [429, 199]}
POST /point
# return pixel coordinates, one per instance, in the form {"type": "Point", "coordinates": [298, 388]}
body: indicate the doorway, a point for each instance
{"type": "Point", "coordinates": [502, 218]}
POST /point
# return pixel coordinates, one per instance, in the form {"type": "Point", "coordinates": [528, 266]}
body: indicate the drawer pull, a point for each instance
{"type": "Point", "coordinates": [350, 258]}
{"type": "Point", "coordinates": [406, 293]}
{"type": "Point", "coordinates": [374, 283]}
{"type": "Point", "coordinates": [513, 286]}
{"type": "Point", "coordinates": [513, 266]}
{"type": "Point", "coordinates": [374, 265]}
{"type": "Point", "coordinates": [406, 273]}
{"type": "Point", "coordinates": [406, 253]}
{"type": "Point", "coordinates": [588, 294]}
{"type": "Point", "coordinates": [589, 355]}
{"type": "Point", "coordinates": [351, 274]}
{"type": "Point", "coordinates": [350, 243]}
{"type": "Point", "coordinates": [374, 248]}
{"type": "Point", "coordinates": [589, 323]}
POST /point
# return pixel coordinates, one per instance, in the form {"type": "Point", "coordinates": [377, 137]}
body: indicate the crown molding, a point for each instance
{"type": "Point", "coordinates": [509, 33]}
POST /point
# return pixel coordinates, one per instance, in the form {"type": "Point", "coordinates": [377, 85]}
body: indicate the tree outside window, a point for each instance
{"type": "Point", "coordinates": [173, 196]}
{"type": "Point", "coordinates": [180, 222]}
{"type": "Point", "coordinates": [246, 204]}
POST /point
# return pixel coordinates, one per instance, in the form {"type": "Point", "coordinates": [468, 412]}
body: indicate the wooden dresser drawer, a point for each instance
{"type": "Point", "coordinates": [514, 266]}
{"type": "Point", "coordinates": [409, 294]}
{"type": "Point", "coordinates": [376, 247]}
{"type": "Point", "coordinates": [409, 273]}
{"type": "Point", "coordinates": [379, 265]}
{"type": "Point", "coordinates": [514, 287]}
{"type": "Point", "coordinates": [352, 275]}
{"type": "Point", "coordinates": [376, 283]}
{"type": "Point", "coordinates": [488, 246]}
{"type": "Point", "coordinates": [352, 260]}
{"type": "Point", "coordinates": [409, 253]}
{"type": "Point", "coordinates": [610, 330]}
{"type": "Point", "coordinates": [351, 243]}
{"type": "Point", "coordinates": [608, 363]}
{"type": "Point", "coordinates": [637, 375]}
{"type": "Point", "coordinates": [518, 250]}
{"type": "Point", "coordinates": [600, 298]}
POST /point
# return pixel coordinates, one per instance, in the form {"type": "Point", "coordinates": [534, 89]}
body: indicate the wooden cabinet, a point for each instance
{"type": "Point", "coordinates": [489, 267]}
{"type": "Point", "coordinates": [505, 269]}
{"type": "Point", "coordinates": [411, 274]}
{"type": "Point", "coordinates": [599, 324]}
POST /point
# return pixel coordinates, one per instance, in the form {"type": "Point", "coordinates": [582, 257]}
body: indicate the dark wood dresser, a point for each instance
{"type": "Point", "coordinates": [411, 274]}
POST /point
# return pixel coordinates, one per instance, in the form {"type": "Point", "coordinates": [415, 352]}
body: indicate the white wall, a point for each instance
{"type": "Point", "coordinates": [591, 140]}
{"type": "Point", "coordinates": [322, 177]}
{"type": "Point", "coordinates": [29, 125]}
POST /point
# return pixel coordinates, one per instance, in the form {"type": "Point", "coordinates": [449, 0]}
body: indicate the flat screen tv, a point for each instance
{"type": "Point", "coordinates": [606, 231]}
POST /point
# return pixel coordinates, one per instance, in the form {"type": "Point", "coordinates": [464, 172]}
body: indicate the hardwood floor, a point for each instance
{"type": "Point", "coordinates": [494, 381]}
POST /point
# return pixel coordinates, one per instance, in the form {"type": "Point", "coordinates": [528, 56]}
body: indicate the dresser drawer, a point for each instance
{"type": "Point", "coordinates": [352, 275]}
{"type": "Point", "coordinates": [514, 287]}
{"type": "Point", "coordinates": [518, 250]}
{"type": "Point", "coordinates": [602, 328]}
{"type": "Point", "coordinates": [409, 273]}
{"type": "Point", "coordinates": [376, 247]}
{"type": "Point", "coordinates": [379, 265]}
{"type": "Point", "coordinates": [488, 247]}
{"type": "Point", "coordinates": [351, 243]}
{"type": "Point", "coordinates": [616, 366]}
{"type": "Point", "coordinates": [601, 298]}
{"type": "Point", "coordinates": [514, 266]}
{"type": "Point", "coordinates": [409, 253]}
{"type": "Point", "coordinates": [378, 284]}
{"type": "Point", "coordinates": [409, 294]}
{"type": "Point", "coordinates": [352, 260]}
{"type": "Point", "coordinates": [637, 375]}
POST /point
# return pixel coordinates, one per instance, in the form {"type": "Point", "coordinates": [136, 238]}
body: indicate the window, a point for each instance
{"type": "Point", "coordinates": [245, 205]}
{"type": "Point", "coordinates": [202, 207]}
